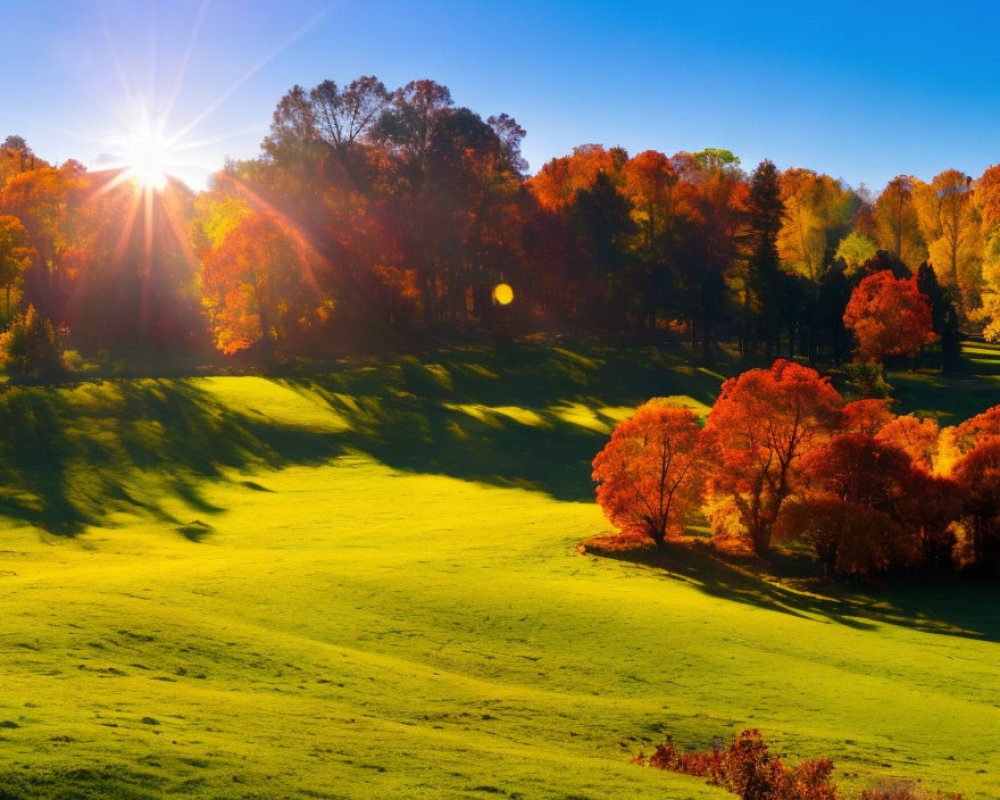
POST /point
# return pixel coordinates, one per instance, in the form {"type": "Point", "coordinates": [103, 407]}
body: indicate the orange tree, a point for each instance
{"type": "Point", "coordinates": [765, 421]}
{"type": "Point", "coordinates": [978, 473]}
{"type": "Point", "coordinates": [889, 317]}
{"type": "Point", "coordinates": [649, 474]}
{"type": "Point", "coordinates": [853, 508]}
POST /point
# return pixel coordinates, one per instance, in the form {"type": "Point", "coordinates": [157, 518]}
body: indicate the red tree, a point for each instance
{"type": "Point", "coordinates": [649, 472]}
{"type": "Point", "coordinates": [765, 422]}
{"type": "Point", "coordinates": [866, 417]}
{"type": "Point", "coordinates": [889, 317]}
{"type": "Point", "coordinates": [855, 509]}
{"type": "Point", "coordinates": [978, 473]}
{"type": "Point", "coordinates": [918, 438]}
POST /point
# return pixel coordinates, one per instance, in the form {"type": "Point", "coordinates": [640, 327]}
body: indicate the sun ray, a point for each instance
{"type": "Point", "coordinates": [116, 61]}
{"type": "Point", "coordinates": [288, 226]}
{"type": "Point", "coordinates": [212, 107]}
{"type": "Point", "coordinates": [186, 59]}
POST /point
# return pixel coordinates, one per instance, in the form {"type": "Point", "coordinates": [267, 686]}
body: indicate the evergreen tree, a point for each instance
{"type": "Point", "coordinates": [763, 291]}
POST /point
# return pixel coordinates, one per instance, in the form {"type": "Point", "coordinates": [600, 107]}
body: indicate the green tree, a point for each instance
{"type": "Point", "coordinates": [31, 345]}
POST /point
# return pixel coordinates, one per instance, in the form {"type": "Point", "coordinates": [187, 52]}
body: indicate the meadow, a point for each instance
{"type": "Point", "coordinates": [364, 582]}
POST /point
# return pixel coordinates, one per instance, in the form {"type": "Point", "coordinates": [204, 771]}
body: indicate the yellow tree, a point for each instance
{"type": "Point", "coordinates": [949, 222]}
{"type": "Point", "coordinates": [896, 226]}
{"type": "Point", "coordinates": [818, 212]}
{"type": "Point", "coordinates": [987, 200]}
{"type": "Point", "coordinates": [16, 254]}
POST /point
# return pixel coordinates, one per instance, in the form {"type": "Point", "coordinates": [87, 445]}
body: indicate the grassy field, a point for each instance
{"type": "Point", "coordinates": [366, 584]}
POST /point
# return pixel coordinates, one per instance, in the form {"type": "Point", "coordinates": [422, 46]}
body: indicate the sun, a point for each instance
{"type": "Point", "coordinates": [147, 158]}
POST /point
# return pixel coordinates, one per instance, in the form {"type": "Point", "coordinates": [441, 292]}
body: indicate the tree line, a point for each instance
{"type": "Point", "coordinates": [372, 212]}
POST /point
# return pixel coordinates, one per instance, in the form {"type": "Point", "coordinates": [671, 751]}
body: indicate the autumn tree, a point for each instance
{"type": "Point", "coordinates": [650, 473]}
{"type": "Point", "coordinates": [978, 473]}
{"type": "Point", "coordinates": [31, 346]}
{"type": "Point", "coordinates": [855, 249]}
{"type": "Point", "coordinates": [44, 200]}
{"type": "Point", "coordinates": [260, 285]}
{"type": "Point", "coordinates": [889, 317]}
{"type": "Point", "coordinates": [16, 255]}
{"type": "Point", "coordinates": [710, 247]}
{"type": "Point", "coordinates": [560, 179]}
{"type": "Point", "coordinates": [917, 437]}
{"type": "Point", "coordinates": [818, 214]}
{"type": "Point", "coordinates": [987, 201]}
{"type": "Point", "coordinates": [866, 417]}
{"type": "Point", "coordinates": [897, 226]}
{"type": "Point", "coordinates": [657, 198]}
{"type": "Point", "coordinates": [765, 421]}
{"type": "Point", "coordinates": [852, 505]}
{"type": "Point", "coordinates": [950, 225]}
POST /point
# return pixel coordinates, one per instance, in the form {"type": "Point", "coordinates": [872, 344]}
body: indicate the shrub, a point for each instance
{"type": "Point", "coordinates": [747, 769]}
{"type": "Point", "coordinates": [31, 346]}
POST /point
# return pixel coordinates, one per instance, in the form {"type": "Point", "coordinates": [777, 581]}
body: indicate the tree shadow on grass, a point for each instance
{"type": "Point", "coordinates": [950, 606]}
{"type": "Point", "coordinates": [521, 415]}
{"type": "Point", "coordinates": [69, 455]}
{"type": "Point", "coordinates": [518, 415]}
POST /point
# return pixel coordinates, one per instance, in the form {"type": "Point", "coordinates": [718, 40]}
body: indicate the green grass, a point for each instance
{"type": "Point", "coordinates": [365, 584]}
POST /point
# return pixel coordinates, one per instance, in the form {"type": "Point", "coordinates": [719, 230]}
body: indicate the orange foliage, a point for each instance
{"type": "Point", "coordinates": [258, 284]}
{"type": "Point", "coordinates": [987, 197]}
{"type": "Point", "coordinates": [978, 473]}
{"type": "Point", "coordinates": [852, 511]}
{"type": "Point", "coordinates": [918, 438]}
{"type": "Point", "coordinates": [866, 417]}
{"type": "Point", "coordinates": [889, 317]}
{"type": "Point", "coordinates": [747, 768]}
{"type": "Point", "coordinates": [561, 178]}
{"type": "Point", "coordinates": [649, 471]}
{"type": "Point", "coordinates": [766, 421]}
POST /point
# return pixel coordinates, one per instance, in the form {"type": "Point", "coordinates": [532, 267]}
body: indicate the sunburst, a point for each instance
{"type": "Point", "coordinates": [147, 157]}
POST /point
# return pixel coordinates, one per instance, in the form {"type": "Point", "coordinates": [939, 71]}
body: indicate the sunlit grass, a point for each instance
{"type": "Point", "coordinates": [272, 591]}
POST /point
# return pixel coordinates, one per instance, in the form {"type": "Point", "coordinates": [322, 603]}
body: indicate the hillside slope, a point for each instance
{"type": "Point", "coordinates": [366, 584]}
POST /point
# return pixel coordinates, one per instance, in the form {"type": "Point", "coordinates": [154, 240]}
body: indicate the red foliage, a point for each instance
{"type": "Point", "coordinates": [978, 473]}
{"type": "Point", "coordinates": [866, 417]}
{"type": "Point", "coordinates": [649, 472]}
{"type": "Point", "coordinates": [889, 317]}
{"type": "Point", "coordinates": [918, 438]}
{"type": "Point", "coordinates": [765, 422]}
{"type": "Point", "coordinates": [854, 506]}
{"type": "Point", "coordinates": [748, 769]}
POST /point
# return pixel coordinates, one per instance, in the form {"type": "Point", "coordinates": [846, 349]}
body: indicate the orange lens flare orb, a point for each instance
{"type": "Point", "coordinates": [503, 295]}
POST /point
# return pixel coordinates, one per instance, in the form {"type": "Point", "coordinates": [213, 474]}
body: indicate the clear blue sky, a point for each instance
{"type": "Point", "coordinates": [861, 91]}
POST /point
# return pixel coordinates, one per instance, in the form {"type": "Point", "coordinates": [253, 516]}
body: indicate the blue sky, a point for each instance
{"type": "Point", "coordinates": [862, 91]}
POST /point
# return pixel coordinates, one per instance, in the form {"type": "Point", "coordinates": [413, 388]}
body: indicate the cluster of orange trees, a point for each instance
{"type": "Point", "coordinates": [783, 456]}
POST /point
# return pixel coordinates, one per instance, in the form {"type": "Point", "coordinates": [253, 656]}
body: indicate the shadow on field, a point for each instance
{"type": "Point", "coordinates": [951, 606]}
{"type": "Point", "coordinates": [67, 456]}
{"type": "Point", "coordinates": [520, 415]}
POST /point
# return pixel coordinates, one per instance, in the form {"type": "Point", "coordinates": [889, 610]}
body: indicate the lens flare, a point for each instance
{"type": "Point", "coordinates": [503, 295]}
